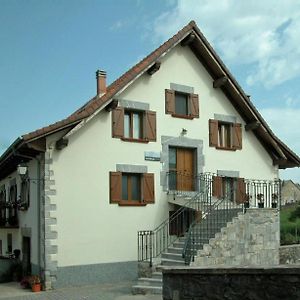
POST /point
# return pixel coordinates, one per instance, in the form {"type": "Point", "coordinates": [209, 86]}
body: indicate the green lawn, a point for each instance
{"type": "Point", "coordinates": [290, 229]}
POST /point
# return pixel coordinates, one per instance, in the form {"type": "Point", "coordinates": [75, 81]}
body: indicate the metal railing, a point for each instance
{"type": "Point", "coordinates": [151, 243]}
{"type": "Point", "coordinates": [263, 193]}
{"type": "Point", "coordinates": [204, 207]}
{"type": "Point", "coordinates": [8, 214]}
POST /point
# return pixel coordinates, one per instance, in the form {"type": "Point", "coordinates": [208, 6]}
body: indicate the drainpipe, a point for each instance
{"type": "Point", "coordinates": [38, 204]}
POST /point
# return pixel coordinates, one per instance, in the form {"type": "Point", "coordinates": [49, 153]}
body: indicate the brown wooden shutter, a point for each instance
{"type": "Point", "coordinates": [118, 122]}
{"type": "Point", "coordinates": [213, 133]}
{"type": "Point", "coordinates": [115, 187]}
{"type": "Point", "coordinates": [170, 101]}
{"type": "Point", "coordinates": [217, 187]}
{"type": "Point", "coordinates": [194, 105]}
{"type": "Point", "coordinates": [241, 191]}
{"type": "Point", "coordinates": [148, 187]}
{"type": "Point", "coordinates": [237, 136]}
{"type": "Point", "coordinates": [150, 125]}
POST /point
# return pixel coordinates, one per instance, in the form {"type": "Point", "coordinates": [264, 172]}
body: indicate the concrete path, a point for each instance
{"type": "Point", "coordinates": [121, 291]}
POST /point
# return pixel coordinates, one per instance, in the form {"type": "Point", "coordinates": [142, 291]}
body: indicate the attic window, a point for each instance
{"type": "Point", "coordinates": [182, 105]}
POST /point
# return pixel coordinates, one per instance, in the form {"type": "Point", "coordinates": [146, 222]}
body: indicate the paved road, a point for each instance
{"type": "Point", "coordinates": [120, 291]}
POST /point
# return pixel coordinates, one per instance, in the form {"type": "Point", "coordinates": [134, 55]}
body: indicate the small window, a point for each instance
{"type": "Point", "coordinates": [181, 104]}
{"type": "Point", "coordinates": [227, 136]}
{"type": "Point", "coordinates": [9, 243]}
{"type": "Point", "coordinates": [224, 135]}
{"type": "Point", "coordinates": [133, 125]}
{"type": "Point", "coordinates": [131, 187]}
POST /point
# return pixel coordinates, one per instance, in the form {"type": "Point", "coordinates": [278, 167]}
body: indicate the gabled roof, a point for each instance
{"type": "Point", "coordinates": [280, 153]}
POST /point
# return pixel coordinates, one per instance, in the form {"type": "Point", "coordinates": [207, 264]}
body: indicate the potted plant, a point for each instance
{"type": "Point", "coordinates": [260, 198]}
{"type": "Point", "coordinates": [35, 283]}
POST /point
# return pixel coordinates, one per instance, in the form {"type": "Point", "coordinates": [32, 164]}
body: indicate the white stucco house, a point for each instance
{"type": "Point", "coordinates": [74, 195]}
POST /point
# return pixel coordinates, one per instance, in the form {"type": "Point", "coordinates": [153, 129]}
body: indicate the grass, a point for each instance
{"type": "Point", "coordinates": [290, 227]}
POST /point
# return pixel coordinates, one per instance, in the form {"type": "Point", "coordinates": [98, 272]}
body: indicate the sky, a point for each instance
{"type": "Point", "coordinates": [51, 49]}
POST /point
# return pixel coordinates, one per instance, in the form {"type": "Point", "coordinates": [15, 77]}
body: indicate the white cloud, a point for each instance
{"type": "Point", "coordinates": [265, 34]}
{"type": "Point", "coordinates": [285, 124]}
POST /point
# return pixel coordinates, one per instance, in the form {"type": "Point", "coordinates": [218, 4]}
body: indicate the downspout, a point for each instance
{"type": "Point", "coordinates": [38, 204]}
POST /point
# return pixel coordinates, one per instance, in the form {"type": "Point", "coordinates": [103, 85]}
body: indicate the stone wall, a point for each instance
{"type": "Point", "coordinates": [250, 239]}
{"type": "Point", "coordinates": [289, 254]}
{"type": "Point", "coordinates": [214, 283]}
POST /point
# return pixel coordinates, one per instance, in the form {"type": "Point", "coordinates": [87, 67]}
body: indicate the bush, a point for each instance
{"type": "Point", "coordinates": [295, 214]}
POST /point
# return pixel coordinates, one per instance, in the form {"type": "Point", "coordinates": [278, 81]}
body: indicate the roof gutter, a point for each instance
{"type": "Point", "coordinates": [11, 150]}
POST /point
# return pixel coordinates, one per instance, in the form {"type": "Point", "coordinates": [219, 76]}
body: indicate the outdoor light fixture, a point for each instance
{"type": "Point", "coordinates": [22, 170]}
{"type": "Point", "coordinates": [183, 132]}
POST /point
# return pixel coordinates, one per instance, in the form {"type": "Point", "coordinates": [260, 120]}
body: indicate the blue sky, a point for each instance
{"type": "Point", "coordinates": [51, 49]}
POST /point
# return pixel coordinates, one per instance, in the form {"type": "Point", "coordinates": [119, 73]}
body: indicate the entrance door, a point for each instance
{"type": "Point", "coordinates": [26, 256]}
{"type": "Point", "coordinates": [181, 166]}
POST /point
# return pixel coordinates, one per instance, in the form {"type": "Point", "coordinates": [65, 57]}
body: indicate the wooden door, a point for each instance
{"type": "Point", "coordinates": [185, 169]}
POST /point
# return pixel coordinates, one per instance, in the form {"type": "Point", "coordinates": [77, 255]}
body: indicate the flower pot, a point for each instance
{"type": "Point", "coordinates": [36, 287]}
{"type": "Point", "coordinates": [260, 205]}
{"type": "Point", "coordinates": [274, 205]}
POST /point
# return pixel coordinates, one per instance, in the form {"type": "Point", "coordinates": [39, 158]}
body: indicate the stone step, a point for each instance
{"type": "Point", "coordinates": [177, 250]}
{"type": "Point", "coordinates": [172, 262]}
{"type": "Point", "coordinates": [157, 275]}
{"type": "Point", "coordinates": [146, 289]}
{"type": "Point", "coordinates": [144, 281]}
{"type": "Point", "coordinates": [175, 256]}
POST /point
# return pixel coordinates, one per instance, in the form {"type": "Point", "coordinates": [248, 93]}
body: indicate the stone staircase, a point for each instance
{"type": "Point", "coordinates": [173, 255]}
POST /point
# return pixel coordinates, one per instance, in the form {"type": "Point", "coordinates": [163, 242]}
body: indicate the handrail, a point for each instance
{"type": "Point", "coordinates": [151, 243]}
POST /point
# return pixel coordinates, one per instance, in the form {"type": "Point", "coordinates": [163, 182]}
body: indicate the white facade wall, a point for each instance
{"type": "Point", "coordinates": [90, 229]}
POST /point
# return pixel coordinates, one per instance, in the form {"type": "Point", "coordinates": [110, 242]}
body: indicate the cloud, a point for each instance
{"type": "Point", "coordinates": [118, 25]}
{"type": "Point", "coordinates": [285, 124]}
{"type": "Point", "coordinates": [264, 34]}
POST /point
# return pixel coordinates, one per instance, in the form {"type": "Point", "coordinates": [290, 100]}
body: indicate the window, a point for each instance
{"type": "Point", "coordinates": [25, 194]}
{"type": "Point", "coordinates": [182, 105]}
{"type": "Point", "coordinates": [9, 243]}
{"type": "Point", "coordinates": [131, 187]}
{"type": "Point", "coordinates": [229, 188]}
{"type": "Point", "coordinates": [134, 125]}
{"type": "Point", "coordinates": [223, 135]}
{"type": "Point", "coordinates": [2, 206]}
{"type": "Point", "coordinates": [135, 189]}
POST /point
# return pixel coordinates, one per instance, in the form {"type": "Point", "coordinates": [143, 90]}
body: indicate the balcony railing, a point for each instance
{"type": "Point", "coordinates": [9, 214]}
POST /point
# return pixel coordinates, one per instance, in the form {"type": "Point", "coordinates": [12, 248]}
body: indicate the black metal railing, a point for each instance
{"type": "Point", "coordinates": [151, 243]}
{"type": "Point", "coordinates": [8, 214]}
{"type": "Point", "coordinates": [212, 201]}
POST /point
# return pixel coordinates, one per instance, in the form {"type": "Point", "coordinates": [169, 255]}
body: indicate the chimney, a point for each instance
{"type": "Point", "coordinates": [101, 82]}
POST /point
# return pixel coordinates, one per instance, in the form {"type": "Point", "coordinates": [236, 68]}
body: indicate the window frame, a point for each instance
{"type": "Point", "coordinates": [228, 127]}
{"type": "Point", "coordinates": [147, 189]}
{"type": "Point", "coordinates": [130, 199]}
{"type": "Point", "coordinates": [192, 103]}
{"type": "Point", "coordinates": [147, 124]}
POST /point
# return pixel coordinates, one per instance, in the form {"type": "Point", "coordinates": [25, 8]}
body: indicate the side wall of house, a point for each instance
{"type": "Point", "coordinates": [28, 219]}
{"type": "Point", "coordinates": [97, 238]}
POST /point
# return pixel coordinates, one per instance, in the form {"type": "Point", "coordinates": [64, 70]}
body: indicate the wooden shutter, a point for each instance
{"type": "Point", "coordinates": [118, 122]}
{"type": "Point", "coordinates": [217, 187]}
{"type": "Point", "coordinates": [194, 105]}
{"type": "Point", "coordinates": [170, 101]}
{"type": "Point", "coordinates": [150, 125]}
{"type": "Point", "coordinates": [237, 136]}
{"type": "Point", "coordinates": [148, 187]}
{"type": "Point", "coordinates": [213, 133]}
{"type": "Point", "coordinates": [241, 191]}
{"type": "Point", "coordinates": [115, 183]}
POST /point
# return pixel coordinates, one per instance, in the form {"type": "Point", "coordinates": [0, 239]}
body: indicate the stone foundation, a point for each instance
{"type": "Point", "coordinates": [219, 283]}
{"type": "Point", "coordinates": [250, 239]}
